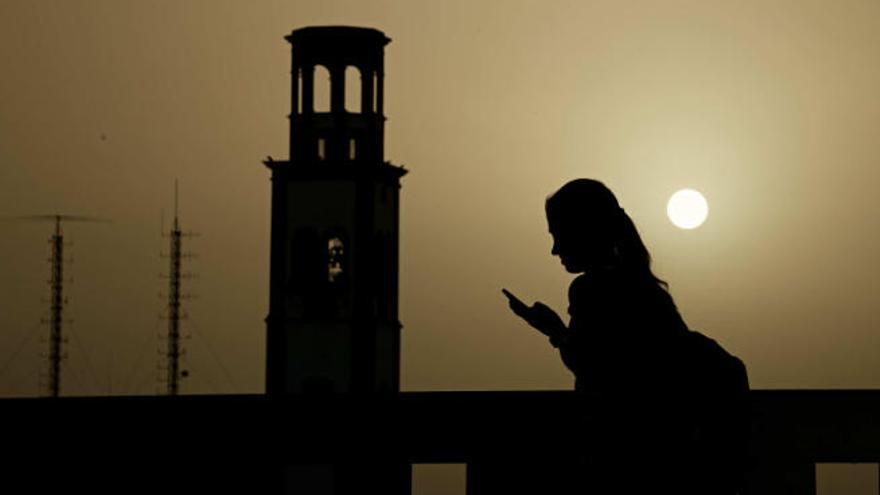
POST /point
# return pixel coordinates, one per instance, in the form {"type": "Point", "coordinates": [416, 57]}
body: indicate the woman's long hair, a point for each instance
{"type": "Point", "coordinates": [590, 207]}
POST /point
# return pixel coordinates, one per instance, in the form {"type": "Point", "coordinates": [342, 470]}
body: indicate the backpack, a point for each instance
{"type": "Point", "coordinates": [717, 388]}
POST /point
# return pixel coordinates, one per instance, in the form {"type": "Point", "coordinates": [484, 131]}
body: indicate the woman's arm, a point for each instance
{"type": "Point", "coordinates": [546, 321]}
{"type": "Point", "coordinates": [573, 342]}
{"type": "Point", "coordinates": [561, 338]}
{"type": "Point", "coordinates": [569, 355]}
{"type": "Point", "coordinates": [539, 316]}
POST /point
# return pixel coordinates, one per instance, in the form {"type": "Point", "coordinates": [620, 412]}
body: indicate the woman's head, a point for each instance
{"type": "Point", "coordinates": [589, 229]}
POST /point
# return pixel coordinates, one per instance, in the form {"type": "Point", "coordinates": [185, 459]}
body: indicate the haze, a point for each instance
{"type": "Point", "coordinates": [769, 109]}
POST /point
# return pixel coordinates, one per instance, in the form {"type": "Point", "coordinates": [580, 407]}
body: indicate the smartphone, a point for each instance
{"type": "Point", "coordinates": [514, 301]}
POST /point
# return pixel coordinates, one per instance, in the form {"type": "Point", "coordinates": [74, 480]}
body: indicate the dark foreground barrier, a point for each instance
{"type": "Point", "coordinates": [341, 444]}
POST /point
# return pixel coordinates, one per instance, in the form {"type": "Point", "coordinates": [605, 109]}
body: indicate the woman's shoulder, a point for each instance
{"type": "Point", "coordinates": [596, 283]}
{"type": "Point", "coordinates": [614, 286]}
{"type": "Point", "coordinates": [600, 277]}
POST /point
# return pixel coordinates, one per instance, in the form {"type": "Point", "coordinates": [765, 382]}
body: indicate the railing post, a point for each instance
{"type": "Point", "coordinates": [789, 478]}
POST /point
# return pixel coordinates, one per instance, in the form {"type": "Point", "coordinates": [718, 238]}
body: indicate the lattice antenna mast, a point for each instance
{"type": "Point", "coordinates": [57, 301]}
{"type": "Point", "coordinates": [173, 355]}
{"type": "Point", "coordinates": [174, 350]}
{"type": "Point", "coordinates": [56, 309]}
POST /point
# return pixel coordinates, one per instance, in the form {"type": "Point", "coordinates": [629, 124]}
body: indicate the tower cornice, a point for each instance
{"type": "Point", "coordinates": [324, 171]}
{"type": "Point", "coordinates": [345, 34]}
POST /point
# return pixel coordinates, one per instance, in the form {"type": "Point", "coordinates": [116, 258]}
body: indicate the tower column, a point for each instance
{"type": "Point", "coordinates": [380, 92]}
{"type": "Point", "coordinates": [366, 91]}
{"type": "Point", "coordinates": [308, 91]}
{"type": "Point", "coordinates": [295, 103]}
{"type": "Point", "coordinates": [337, 88]}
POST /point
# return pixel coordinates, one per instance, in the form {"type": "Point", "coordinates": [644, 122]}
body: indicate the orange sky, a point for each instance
{"type": "Point", "coordinates": [769, 108]}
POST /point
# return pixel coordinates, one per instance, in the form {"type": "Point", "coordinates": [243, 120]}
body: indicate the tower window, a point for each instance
{"type": "Point", "coordinates": [335, 258]}
{"type": "Point", "coordinates": [352, 89]}
{"type": "Point", "coordinates": [299, 91]}
{"type": "Point", "coordinates": [305, 274]}
{"type": "Point", "coordinates": [321, 89]}
{"type": "Point", "coordinates": [352, 148]}
{"type": "Point", "coordinates": [322, 149]}
{"type": "Point", "coordinates": [375, 92]}
{"type": "Point", "coordinates": [336, 287]}
{"type": "Point", "coordinates": [381, 266]}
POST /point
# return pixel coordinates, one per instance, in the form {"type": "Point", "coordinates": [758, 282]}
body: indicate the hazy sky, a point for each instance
{"type": "Point", "coordinates": [769, 108]}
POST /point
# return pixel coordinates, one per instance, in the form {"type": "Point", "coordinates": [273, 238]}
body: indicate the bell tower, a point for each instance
{"type": "Point", "coordinates": [333, 321]}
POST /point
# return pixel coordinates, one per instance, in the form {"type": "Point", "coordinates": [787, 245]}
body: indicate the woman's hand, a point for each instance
{"type": "Point", "coordinates": [538, 315]}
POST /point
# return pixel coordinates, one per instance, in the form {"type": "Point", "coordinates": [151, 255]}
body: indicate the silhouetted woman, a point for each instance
{"type": "Point", "coordinates": [667, 406]}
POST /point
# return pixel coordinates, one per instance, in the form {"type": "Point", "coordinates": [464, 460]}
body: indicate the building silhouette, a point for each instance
{"type": "Point", "coordinates": [332, 323]}
{"type": "Point", "coordinates": [333, 420]}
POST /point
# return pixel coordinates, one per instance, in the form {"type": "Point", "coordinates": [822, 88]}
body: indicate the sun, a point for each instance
{"type": "Point", "coordinates": [687, 209]}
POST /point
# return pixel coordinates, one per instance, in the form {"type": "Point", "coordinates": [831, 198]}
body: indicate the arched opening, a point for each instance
{"type": "Point", "coordinates": [321, 89]}
{"type": "Point", "coordinates": [335, 259]}
{"type": "Point", "coordinates": [322, 149]}
{"type": "Point", "coordinates": [337, 271]}
{"type": "Point", "coordinates": [352, 89]}
{"type": "Point", "coordinates": [304, 277]}
{"type": "Point", "coordinates": [382, 282]}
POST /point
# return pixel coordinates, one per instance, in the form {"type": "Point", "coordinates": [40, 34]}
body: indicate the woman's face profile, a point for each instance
{"type": "Point", "coordinates": [571, 246]}
{"type": "Point", "coordinates": [583, 219]}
